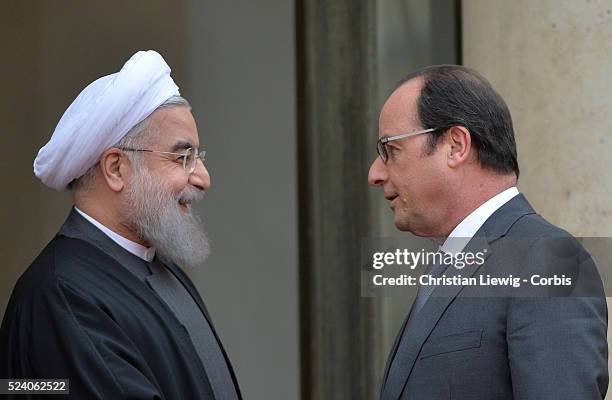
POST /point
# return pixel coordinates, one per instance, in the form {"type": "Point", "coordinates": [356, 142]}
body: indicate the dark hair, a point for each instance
{"type": "Point", "coordinates": [456, 95]}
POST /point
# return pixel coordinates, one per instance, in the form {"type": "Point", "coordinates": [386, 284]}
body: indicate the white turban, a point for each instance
{"type": "Point", "coordinates": [101, 115]}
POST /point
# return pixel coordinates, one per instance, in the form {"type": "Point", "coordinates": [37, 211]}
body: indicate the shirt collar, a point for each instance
{"type": "Point", "coordinates": [461, 235]}
{"type": "Point", "coordinates": [146, 253]}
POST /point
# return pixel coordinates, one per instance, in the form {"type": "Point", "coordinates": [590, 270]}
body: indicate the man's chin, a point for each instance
{"type": "Point", "coordinates": [403, 224]}
{"type": "Point", "coordinates": [400, 222]}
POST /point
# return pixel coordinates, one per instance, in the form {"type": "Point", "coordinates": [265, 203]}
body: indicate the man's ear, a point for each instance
{"type": "Point", "coordinates": [112, 165]}
{"type": "Point", "coordinates": [459, 142]}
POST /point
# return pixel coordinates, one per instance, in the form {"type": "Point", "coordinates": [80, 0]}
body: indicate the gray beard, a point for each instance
{"type": "Point", "coordinates": [153, 212]}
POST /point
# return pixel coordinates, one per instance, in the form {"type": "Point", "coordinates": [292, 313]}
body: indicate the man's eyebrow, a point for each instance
{"type": "Point", "coordinates": [181, 145]}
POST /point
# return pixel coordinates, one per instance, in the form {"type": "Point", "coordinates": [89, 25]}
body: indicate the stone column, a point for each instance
{"type": "Point", "coordinates": [336, 141]}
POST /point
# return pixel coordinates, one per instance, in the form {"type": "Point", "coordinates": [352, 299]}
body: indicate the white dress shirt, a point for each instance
{"type": "Point", "coordinates": [146, 253]}
{"type": "Point", "coordinates": [461, 235]}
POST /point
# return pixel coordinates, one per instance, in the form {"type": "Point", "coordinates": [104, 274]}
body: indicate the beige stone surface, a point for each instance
{"type": "Point", "coordinates": [552, 60]}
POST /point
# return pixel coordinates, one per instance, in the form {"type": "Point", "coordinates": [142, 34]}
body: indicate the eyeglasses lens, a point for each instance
{"type": "Point", "coordinates": [382, 151]}
{"type": "Point", "coordinates": [188, 160]}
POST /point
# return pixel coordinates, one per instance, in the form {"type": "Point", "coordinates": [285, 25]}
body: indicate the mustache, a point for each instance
{"type": "Point", "coordinates": [190, 195]}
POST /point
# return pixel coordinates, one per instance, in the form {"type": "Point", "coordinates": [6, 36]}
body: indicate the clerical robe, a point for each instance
{"type": "Point", "coordinates": [79, 313]}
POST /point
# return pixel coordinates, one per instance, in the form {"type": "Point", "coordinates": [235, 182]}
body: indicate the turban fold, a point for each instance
{"type": "Point", "coordinates": [101, 115]}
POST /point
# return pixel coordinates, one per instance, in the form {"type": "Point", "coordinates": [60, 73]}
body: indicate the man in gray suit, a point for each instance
{"type": "Point", "coordinates": [448, 167]}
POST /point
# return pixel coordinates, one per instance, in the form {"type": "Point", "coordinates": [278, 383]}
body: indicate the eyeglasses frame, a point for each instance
{"type": "Point", "coordinates": [381, 147]}
{"type": "Point", "coordinates": [200, 155]}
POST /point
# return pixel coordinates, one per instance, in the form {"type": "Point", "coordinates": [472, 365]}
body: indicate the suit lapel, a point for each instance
{"type": "Point", "coordinates": [408, 349]}
{"type": "Point", "coordinates": [424, 322]}
{"type": "Point", "coordinates": [393, 353]}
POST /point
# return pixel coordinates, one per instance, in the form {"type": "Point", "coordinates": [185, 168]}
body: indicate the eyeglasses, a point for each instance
{"type": "Point", "coordinates": [187, 159]}
{"type": "Point", "coordinates": [381, 144]}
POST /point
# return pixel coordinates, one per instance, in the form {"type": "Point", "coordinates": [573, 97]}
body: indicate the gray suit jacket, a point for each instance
{"type": "Point", "coordinates": [477, 343]}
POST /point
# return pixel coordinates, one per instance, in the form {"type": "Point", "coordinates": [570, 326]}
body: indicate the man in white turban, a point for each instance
{"type": "Point", "coordinates": [106, 304]}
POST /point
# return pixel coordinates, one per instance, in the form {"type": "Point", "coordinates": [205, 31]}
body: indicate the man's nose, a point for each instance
{"type": "Point", "coordinates": [377, 175]}
{"type": "Point", "coordinates": [200, 177]}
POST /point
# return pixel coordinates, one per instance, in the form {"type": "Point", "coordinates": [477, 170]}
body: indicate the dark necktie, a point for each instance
{"type": "Point", "coordinates": [186, 310]}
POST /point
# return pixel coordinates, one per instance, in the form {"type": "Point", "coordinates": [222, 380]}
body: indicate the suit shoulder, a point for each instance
{"type": "Point", "coordinates": [535, 226]}
{"type": "Point", "coordinates": [536, 236]}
